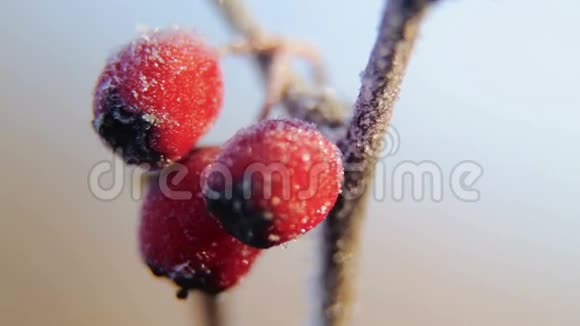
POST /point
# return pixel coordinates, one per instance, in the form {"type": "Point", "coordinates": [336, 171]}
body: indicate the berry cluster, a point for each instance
{"type": "Point", "coordinates": [210, 210]}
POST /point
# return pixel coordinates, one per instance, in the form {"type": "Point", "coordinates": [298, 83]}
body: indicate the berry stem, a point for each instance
{"type": "Point", "coordinates": [239, 18]}
{"type": "Point", "coordinates": [213, 310]}
{"type": "Point", "coordinates": [379, 90]}
{"type": "Point", "coordinates": [312, 103]}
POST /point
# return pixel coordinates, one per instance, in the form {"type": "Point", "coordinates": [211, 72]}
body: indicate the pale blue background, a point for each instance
{"type": "Point", "coordinates": [496, 82]}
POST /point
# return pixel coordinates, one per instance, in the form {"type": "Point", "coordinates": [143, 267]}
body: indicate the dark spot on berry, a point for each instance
{"type": "Point", "coordinates": [240, 217]}
{"type": "Point", "coordinates": [126, 131]}
{"type": "Point", "coordinates": [203, 281]}
{"type": "Point", "coordinates": [156, 270]}
{"type": "Point", "coordinates": [182, 293]}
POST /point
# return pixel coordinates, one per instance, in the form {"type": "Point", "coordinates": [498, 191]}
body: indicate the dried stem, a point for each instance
{"type": "Point", "coordinates": [372, 112]}
{"type": "Point", "coordinates": [213, 310]}
{"type": "Point", "coordinates": [239, 18]}
{"type": "Point", "coordinates": [304, 101]}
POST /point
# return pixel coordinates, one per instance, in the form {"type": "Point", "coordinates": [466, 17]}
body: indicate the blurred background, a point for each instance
{"type": "Point", "coordinates": [495, 82]}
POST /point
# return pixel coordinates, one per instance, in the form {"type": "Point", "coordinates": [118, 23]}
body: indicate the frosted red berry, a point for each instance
{"type": "Point", "coordinates": [157, 96]}
{"type": "Point", "coordinates": [274, 181]}
{"type": "Point", "coordinates": [178, 238]}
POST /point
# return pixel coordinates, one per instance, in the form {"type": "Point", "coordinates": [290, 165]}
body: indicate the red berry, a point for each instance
{"type": "Point", "coordinates": [157, 96]}
{"type": "Point", "coordinates": [179, 239]}
{"type": "Point", "coordinates": [274, 181]}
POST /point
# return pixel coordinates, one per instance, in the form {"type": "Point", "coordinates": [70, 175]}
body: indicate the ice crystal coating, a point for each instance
{"type": "Point", "coordinates": [157, 96]}
{"type": "Point", "coordinates": [274, 182]}
{"type": "Point", "coordinates": [178, 238]}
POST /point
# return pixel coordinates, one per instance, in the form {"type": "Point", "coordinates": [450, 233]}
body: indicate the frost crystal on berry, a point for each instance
{"type": "Point", "coordinates": [178, 238]}
{"type": "Point", "coordinates": [157, 96]}
{"type": "Point", "coordinates": [274, 181]}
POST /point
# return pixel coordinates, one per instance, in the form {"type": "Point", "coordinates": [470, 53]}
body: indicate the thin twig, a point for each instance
{"type": "Point", "coordinates": [301, 100]}
{"type": "Point", "coordinates": [213, 310]}
{"type": "Point", "coordinates": [239, 18]}
{"type": "Point", "coordinates": [381, 82]}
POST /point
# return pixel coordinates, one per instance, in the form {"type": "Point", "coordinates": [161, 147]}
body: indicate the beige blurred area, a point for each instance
{"type": "Point", "coordinates": [495, 82]}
